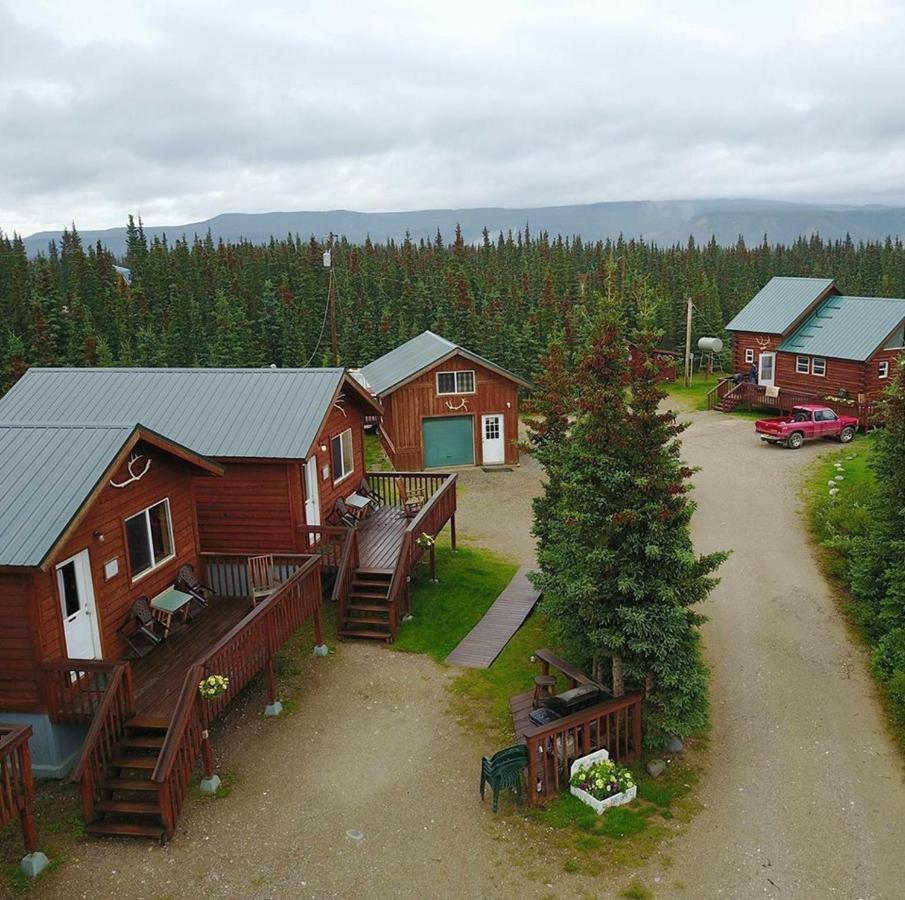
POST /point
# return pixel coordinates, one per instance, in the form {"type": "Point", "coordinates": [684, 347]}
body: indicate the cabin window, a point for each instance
{"type": "Point", "coordinates": [341, 451]}
{"type": "Point", "coordinates": [455, 382]}
{"type": "Point", "coordinates": [749, 355]}
{"type": "Point", "coordinates": [818, 366]}
{"type": "Point", "coordinates": [883, 368]}
{"type": "Point", "coordinates": [802, 365]}
{"type": "Point", "coordinates": [149, 536]}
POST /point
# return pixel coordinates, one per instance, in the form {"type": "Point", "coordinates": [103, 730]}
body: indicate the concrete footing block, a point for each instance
{"type": "Point", "coordinates": [321, 650]}
{"type": "Point", "coordinates": [34, 864]}
{"type": "Point", "coordinates": [273, 709]}
{"type": "Point", "coordinates": [210, 785]}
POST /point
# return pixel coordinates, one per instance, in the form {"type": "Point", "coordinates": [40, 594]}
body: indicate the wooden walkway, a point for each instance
{"type": "Point", "coordinates": [380, 538]}
{"type": "Point", "coordinates": [482, 645]}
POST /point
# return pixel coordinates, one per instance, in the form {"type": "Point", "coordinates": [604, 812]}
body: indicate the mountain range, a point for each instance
{"type": "Point", "coordinates": [661, 222]}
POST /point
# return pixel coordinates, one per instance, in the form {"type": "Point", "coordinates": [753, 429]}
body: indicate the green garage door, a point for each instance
{"type": "Point", "coordinates": [448, 441]}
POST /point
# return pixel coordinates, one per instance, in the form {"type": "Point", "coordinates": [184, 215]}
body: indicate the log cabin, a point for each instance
{"type": "Point", "coordinates": [444, 406]}
{"type": "Point", "coordinates": [807, 341]}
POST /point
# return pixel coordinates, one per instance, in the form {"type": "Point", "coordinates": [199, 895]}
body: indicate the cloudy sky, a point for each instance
{"type": "Point", "coordinates": [182, 110]}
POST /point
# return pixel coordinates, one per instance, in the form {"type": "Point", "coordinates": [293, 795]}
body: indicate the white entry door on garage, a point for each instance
{"type": "Point", "coordinates": [493, 449]}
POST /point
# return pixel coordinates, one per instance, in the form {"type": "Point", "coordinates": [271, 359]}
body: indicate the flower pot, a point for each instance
{"type": "Point", "coordinates": [599, 806]}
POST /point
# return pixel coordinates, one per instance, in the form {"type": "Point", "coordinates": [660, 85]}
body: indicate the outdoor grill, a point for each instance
{"type": "Point", "coordinates": [572, 701]}
{"type": "Point", "coordinates": [543, 716]}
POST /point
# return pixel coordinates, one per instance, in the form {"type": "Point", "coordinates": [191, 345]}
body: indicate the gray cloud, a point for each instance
{"type": "Point", "coordinates": [183, 110]}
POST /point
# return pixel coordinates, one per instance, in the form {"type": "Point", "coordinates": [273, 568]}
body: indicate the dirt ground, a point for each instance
{"type": "Point", "coordinates": [804, 795]}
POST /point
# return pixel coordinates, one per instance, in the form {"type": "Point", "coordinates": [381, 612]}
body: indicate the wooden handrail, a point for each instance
{"type": "Point", "coordinates": [348, 561]}
{"type": "Point", "coordinates": [18, 792]}
{"type": "Point", "coordinates": [73, 689]}
{"type": "Point", "coordinates": [614, 725]}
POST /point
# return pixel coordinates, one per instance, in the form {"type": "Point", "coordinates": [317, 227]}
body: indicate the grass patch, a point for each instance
{"type": "Point", "coordinates": [375, 458]}
{"type": "Point", "coordinates": [470, 580]}
{"type": "Point", "coordinates": [695, 395]}
{"type": "Point", "coordinates": [636, 891]}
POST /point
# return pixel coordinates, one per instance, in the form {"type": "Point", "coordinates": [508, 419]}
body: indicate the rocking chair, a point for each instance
{"type": "Point", "coordinates": [142, 626]}
{"type": "Point", "coordinates": [411, 503]}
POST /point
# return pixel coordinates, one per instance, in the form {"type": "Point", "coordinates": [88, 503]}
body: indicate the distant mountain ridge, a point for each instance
{"type": "Point", "coordinates": [661, 222]}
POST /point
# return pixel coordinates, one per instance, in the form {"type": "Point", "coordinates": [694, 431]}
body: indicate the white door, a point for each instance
{"type": "Point", "coordinates": [492, 449]}
{"type": "Point", "coordinates": [76, 591]}
{"type": "Point", "coordinates": [312, 501]}
{"type": "Point", "coordinates": [766, 373]}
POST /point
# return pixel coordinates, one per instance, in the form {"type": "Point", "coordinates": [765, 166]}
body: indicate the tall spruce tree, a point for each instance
{"type": "Point", "coordinates": [617, 566]}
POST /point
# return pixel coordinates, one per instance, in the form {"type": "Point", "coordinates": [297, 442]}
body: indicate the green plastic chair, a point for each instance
{"type": "Point", "coordinates": [504, 771]}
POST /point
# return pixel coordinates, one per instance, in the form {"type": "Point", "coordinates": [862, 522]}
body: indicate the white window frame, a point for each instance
{"type": "Point", "coordinates": [822, 360]}
{"type": "Point", "coordinates": [807, 365]}
{"type": "Point", "coordinates": [342, 456]}
{"type": "Point", "coordinates": [155, 564]}
{"type": "Point", "coordinates": [749, 354]}
{"type": "Point", "coordinates": [456, 373]}
{"type": "Point", "coordinates": [883, 368]}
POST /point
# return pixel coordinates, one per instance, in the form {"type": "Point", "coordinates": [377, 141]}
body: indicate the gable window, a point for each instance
{"type": "Point", "coordinates": [149, 536]}
{"type": "Point", "coordinates": [883, 368]}
{"type": "Point", "coordinates": [818, 366]}
{"type": "Point", "coordinates": [749, 355]}
{"type": "Point", "coordinates": [802, 365]}
{"type": "Point", "coordinates": [341, 455]}
{"type": "Point", "coordinates": [455, 382]}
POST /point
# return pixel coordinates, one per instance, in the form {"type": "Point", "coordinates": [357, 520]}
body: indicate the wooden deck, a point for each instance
{"type": "Point", "coordinates": [520, 706]}
{"type": "Point", "coordinates": [380, 538]}
{"type": "Point", "coordinates": [481, 646]}
{"type": "Point", "coordinates": [158, 677]}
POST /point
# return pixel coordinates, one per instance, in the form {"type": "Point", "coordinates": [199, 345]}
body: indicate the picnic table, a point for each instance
{"type": "Point", "coordinates": [168, 603]}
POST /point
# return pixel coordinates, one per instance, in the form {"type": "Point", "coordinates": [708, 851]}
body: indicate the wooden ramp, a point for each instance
{"type": "Point", "coordinates": [482, 645]}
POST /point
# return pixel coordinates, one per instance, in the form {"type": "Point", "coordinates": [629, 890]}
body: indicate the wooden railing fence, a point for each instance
{"type": "Point", "coordinates": [614, 726]}
{"type": "Point", "coordinates": [326, 541]}
{"type": "Point", "coordinates": [417, 484]}
{"type": "Point", "coordinates": [244, 652]}
{"type": "Point", "coordinates": [75, 688]}
{"type": "Point", "coordinates": [227, 573]}
{"type": "Point", "coordinates": [17, 793]}
{"type": "Point", "coordinates": [107, 729]}
{"type": "Point", "coordinates": [346, 566]}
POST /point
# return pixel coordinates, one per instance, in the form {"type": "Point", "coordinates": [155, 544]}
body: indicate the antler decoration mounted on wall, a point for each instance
{"type": "Point", "coordinates": [463, 404]}
{"type": "Point", "coordinates": [338, 404]}
{"type": "Point", "coordinates": [133, 475]}
{"type": "Point", "coordinates": [763, 342]}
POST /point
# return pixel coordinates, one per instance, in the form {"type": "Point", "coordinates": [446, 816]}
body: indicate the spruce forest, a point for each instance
{"type": "Point", "coordinates": [200, 303]}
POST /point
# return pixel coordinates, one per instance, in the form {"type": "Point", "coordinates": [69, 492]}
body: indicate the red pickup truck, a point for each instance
{"type": "Point", "coordinates": [806, 422]}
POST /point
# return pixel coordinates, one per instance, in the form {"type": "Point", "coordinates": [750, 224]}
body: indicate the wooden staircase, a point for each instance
{"type": "Point", "coordinates": [129, 804]}
{"type": "Point", "coordinates": [729, 401]}
{"type": "Point", "coordinates": [366, 612]}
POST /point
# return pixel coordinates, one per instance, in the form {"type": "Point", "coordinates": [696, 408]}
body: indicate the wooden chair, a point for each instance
{"type": "Point", "coordinates": [411, 504]}
{"type": "Point", "coordinates": [504, 771]}
{"type": "Point", "coordinates": [365, 491]}
{"type": "Point", "coordinates": [142, 626]}
{"type": "Point", "coordinates": [342, 515]}
{"type": "Point", "coordinates": [187, 582]}
{"type": "Point", "coordinates": [262, 580]}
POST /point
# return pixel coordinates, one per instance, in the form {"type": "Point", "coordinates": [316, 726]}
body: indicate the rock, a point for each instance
{"type": "Point", "coordinates": [840, 478]}
{"type": "Point", "coordinates": [675, 745]}
{"type": "Point", "coordinates": [656, 767]}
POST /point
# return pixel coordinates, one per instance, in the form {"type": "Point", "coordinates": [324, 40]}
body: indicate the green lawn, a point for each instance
{"type": "Point", "coordinates": [375, 459]}
{"type": "Point", "coordinates": [694, 396]}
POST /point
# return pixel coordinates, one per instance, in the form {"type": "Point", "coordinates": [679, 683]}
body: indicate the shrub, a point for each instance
{"type": "Point", "coordinates": [889, 654]}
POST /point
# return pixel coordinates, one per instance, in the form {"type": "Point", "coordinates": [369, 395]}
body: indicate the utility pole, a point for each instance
{"type": "Point", "coordinates": [331, 301]}
{"type": "Point", "coordinates": [688, 358]}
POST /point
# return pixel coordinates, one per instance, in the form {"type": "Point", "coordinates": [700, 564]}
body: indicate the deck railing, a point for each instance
{"type": "Point", "coordinates": [325, 541]}
{"type": "Point", "coordinates": [614, 726]}
{"type": "Point", "coordinates": [346, 565]}
{"type": "Point", "coordinates": [75, 688]}
{"type": "Point", "coordinates": [243, 653]}
{"type": "Point", "coordinates": [227, 573]}
{"type": "Point", "coordinates": [754, 396]}
{"type": "Point", "coordinates": [723, 387]}
{"type": "Point", "coordinates": [417, 484]}
{"type": "Point", "coordinates": [107, 729]}
{"type": "Point", "coordinates": [18, 790]}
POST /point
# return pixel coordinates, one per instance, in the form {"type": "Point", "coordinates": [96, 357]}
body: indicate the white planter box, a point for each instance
{"type": "Point", "coordinates": [599, 806]}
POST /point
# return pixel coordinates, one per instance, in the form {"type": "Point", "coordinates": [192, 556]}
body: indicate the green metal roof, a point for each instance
{"type": "Point", "coordinates": [846, 327]}
{"type": "Point", "coordinates": [226, 413]}
{"type": "Point", "coordinates": [46, 473]}
{"type": "Point", "coordinates": [779, 304]}
{"type": "Point", "coordinates": [414, 356]}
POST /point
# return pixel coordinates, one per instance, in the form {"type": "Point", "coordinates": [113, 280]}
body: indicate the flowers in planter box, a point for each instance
{"type": "Point", "coordinates": [425, 541]}
{"type": "Point", "coordinates": [603, 779]}
{"type": "Point", "coordinates": [213, 686]}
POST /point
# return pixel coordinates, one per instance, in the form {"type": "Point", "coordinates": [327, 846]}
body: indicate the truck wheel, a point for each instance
{"type": "Point", "coordinates": [796, 439]}
{"type": "Point", "coordinates": [846, 434]}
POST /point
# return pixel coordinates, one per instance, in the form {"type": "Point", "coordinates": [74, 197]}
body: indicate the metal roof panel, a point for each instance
{"type": "Point", "coordinates": [779, 304]}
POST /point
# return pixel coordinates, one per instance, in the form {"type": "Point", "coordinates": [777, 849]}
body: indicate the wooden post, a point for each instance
{"type": "Point", "coordinates": [688, 358]}
{"type": "Point", "coordinates": [207, 754]}
{"type": "Point", "coordinates": [27, 816]}
{"type": "Point", "coordinates": [433, 564]}
{"type": "Point", "coordinates": [271, 681]}
{"type": "Point", "coordinates": [452, 532]}
{"type": "Point", "coordinates": [318, 627]}
{"type": "Point", "coordinates": [636, 731]}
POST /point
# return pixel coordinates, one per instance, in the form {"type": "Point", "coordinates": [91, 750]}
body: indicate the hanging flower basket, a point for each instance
{"type": "Point", "coordinates": [425, 541]}
{"type": "Point", "coordinates": [213, 686]}
{"type": "Point", "coordinates": [601, 783]}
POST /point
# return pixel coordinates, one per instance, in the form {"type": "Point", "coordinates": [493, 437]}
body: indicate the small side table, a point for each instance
{"type": "Point", "coordinates": [543, 689]}
{"type": "Point", "coordinates": [169, 602]}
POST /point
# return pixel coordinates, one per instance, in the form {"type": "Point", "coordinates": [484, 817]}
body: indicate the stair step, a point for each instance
{"type": "Point", "coordinates": [367, 607]}
{"type": "Point", "coordinates": [149, 723]}
{"type": "Point", "coordinates": [376, 635]}
{"type": "Point", "coordinates": [130, 784]}
{"type": "Point", "coordinates": [134, 762]}
{"type": "Point", "coordinates": [363, 620]}
{"type": "Point", "coordinates": [149, 741]}
{"type": "Point", "coordinates": [125, 829]}
{"type": "Point", "coordinates": [386, 574]}
{"type": "Point", "coordinates": [367, 595]}
{"type": "Point", "coordinates": [129, 807]}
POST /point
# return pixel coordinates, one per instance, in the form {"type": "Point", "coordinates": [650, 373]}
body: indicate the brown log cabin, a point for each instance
{"type": "Point", "coordinates": [240, 463]}
{"type": "Point", "coordinates": [802, 340]}
{"type": "Point", "coordinates": [444, 406]}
